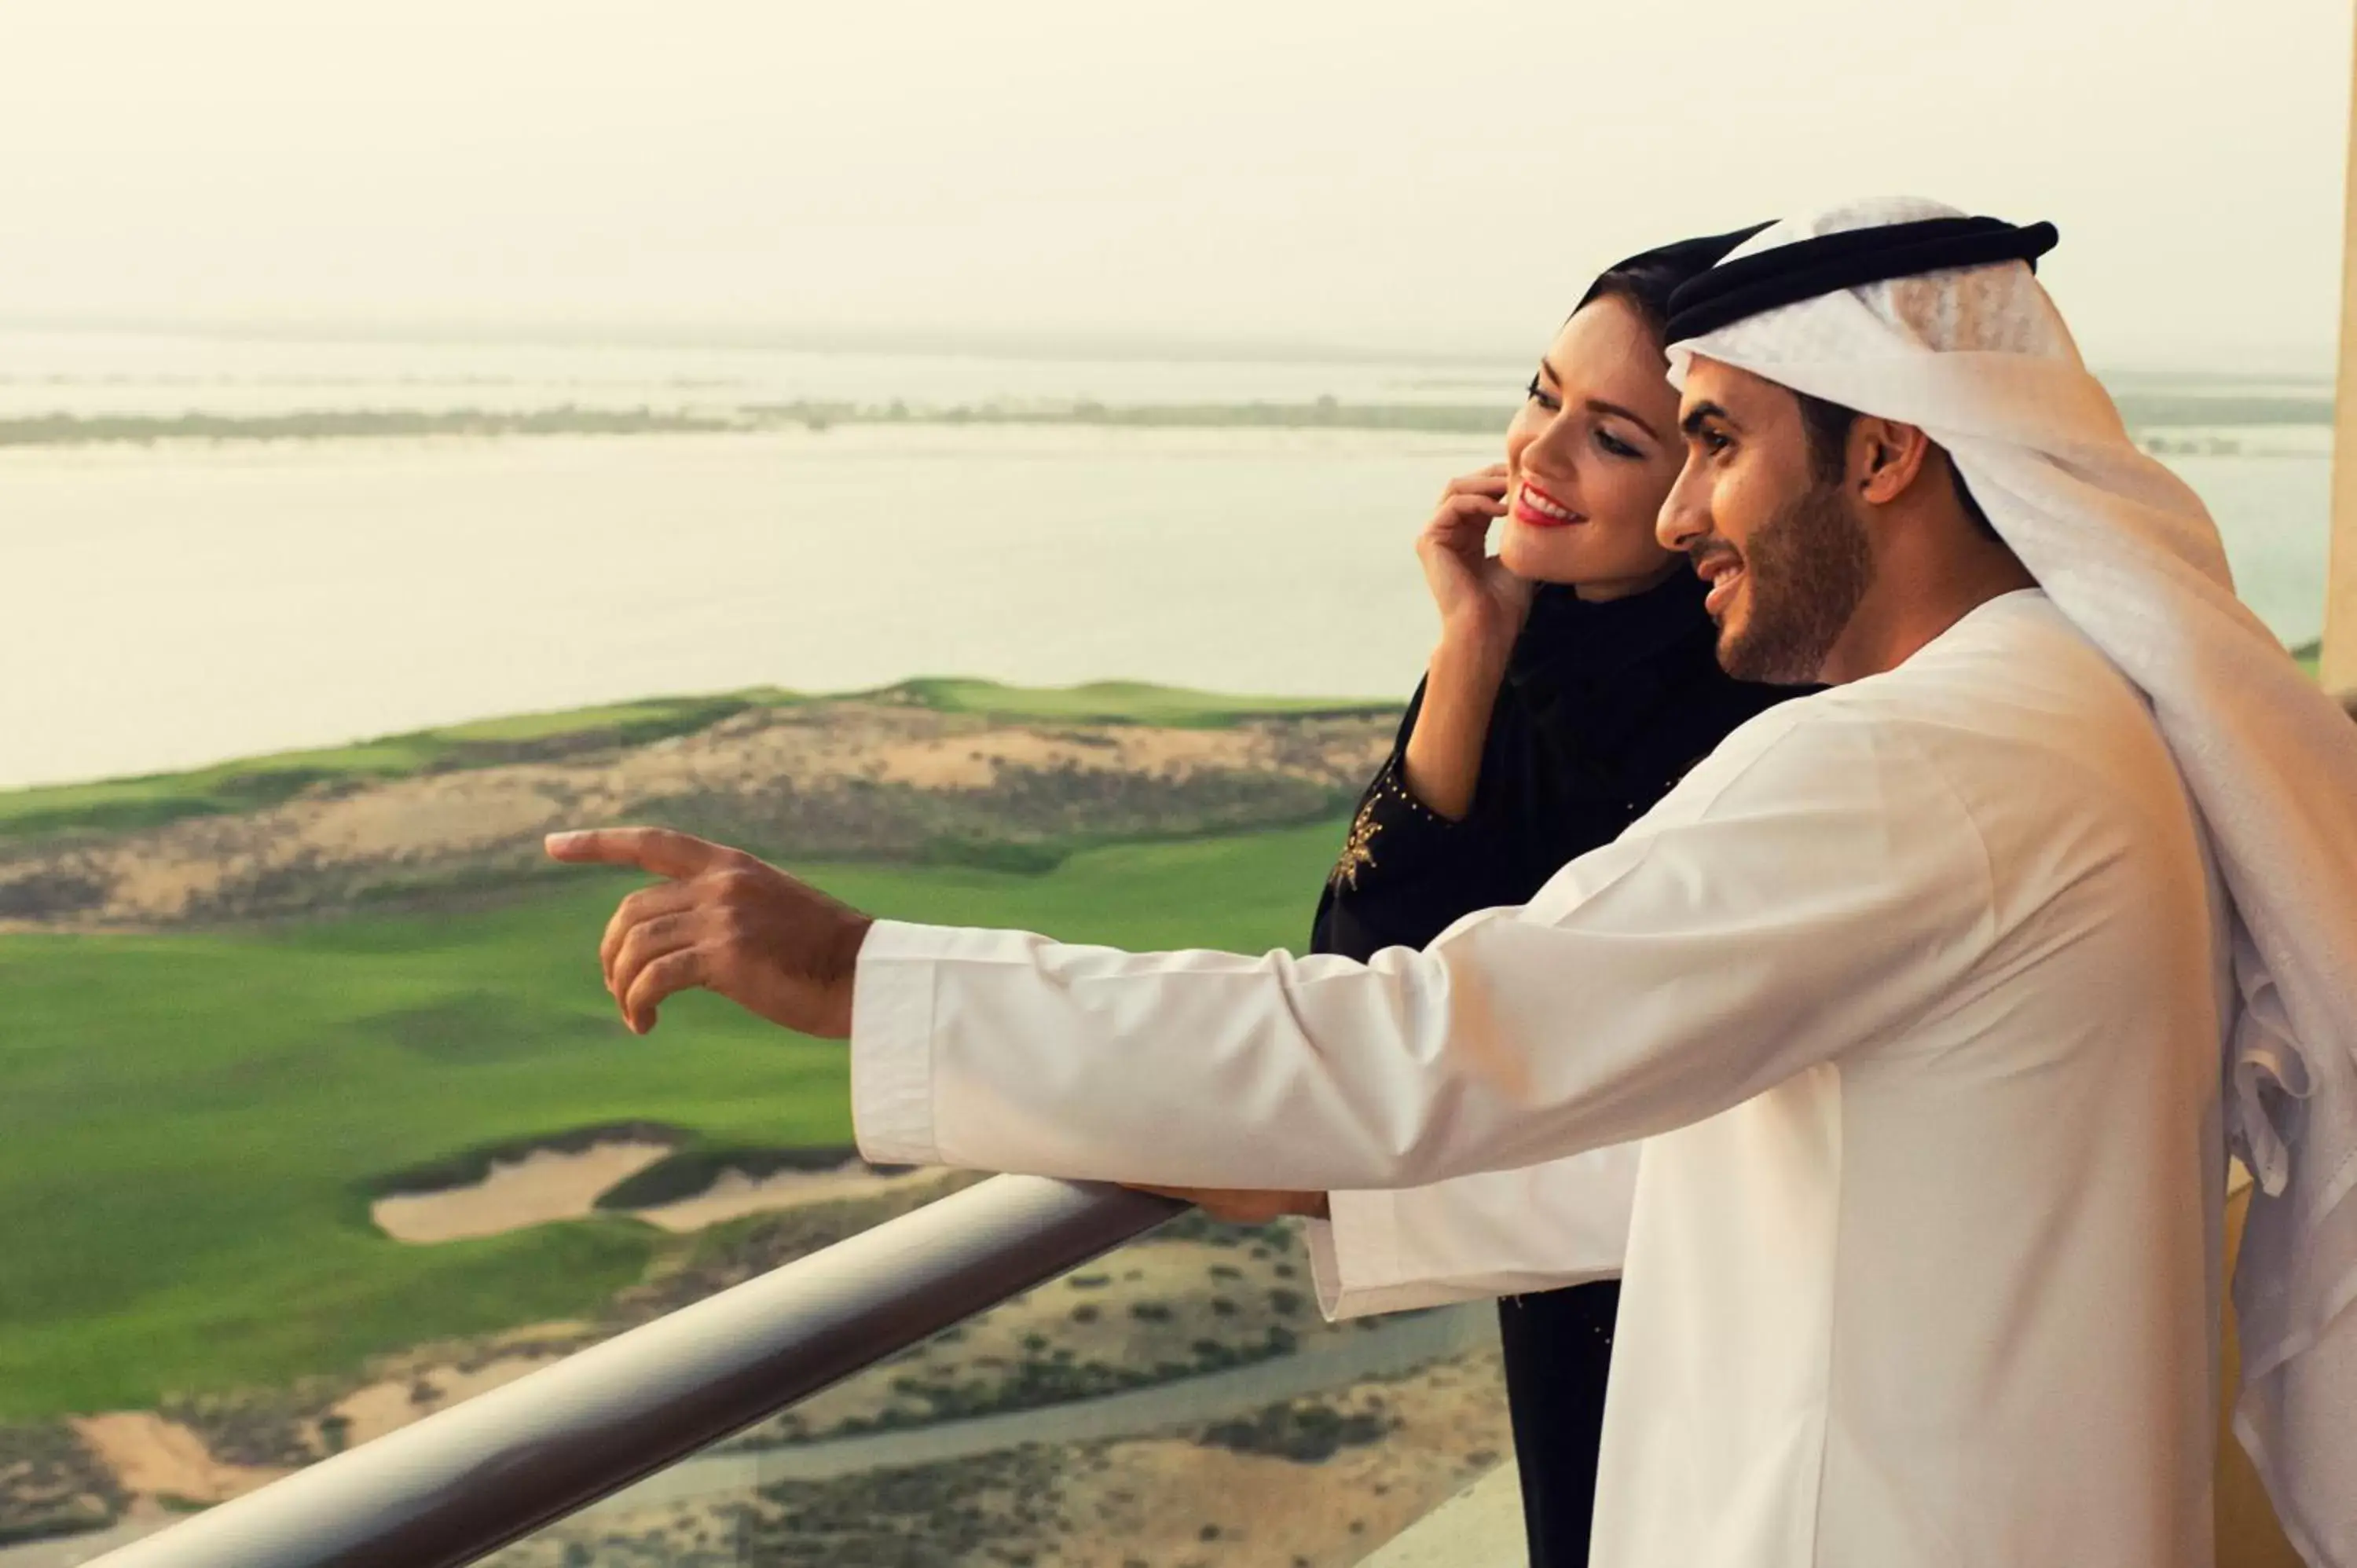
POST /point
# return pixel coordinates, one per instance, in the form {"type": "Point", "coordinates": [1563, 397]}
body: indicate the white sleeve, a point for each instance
{"type": "Point", "coordinates": [1784, 906]}
{"type": "Point", "coordinates": [1496, 1233]}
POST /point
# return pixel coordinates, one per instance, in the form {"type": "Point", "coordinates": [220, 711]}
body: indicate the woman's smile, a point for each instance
{"type": "Point", "coordinates": [1533, 506]}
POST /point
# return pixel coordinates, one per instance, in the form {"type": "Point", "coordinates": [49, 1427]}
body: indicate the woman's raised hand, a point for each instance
{"type": "Point", "coordinates": [1482, 605]}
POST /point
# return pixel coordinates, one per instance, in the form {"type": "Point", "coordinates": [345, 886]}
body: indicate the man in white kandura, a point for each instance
{"type": "Point", "coordinates": [1937, 1000]}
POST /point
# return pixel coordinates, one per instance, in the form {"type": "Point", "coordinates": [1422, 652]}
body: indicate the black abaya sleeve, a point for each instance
{"type": "Point", "coordinates": [1406, 873]}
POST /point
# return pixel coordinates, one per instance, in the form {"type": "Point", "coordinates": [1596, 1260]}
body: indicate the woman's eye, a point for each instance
{"type": "Point", "coordinates": [1541, 397]}
{"type": "Point", "coordinates": [1614, 445]}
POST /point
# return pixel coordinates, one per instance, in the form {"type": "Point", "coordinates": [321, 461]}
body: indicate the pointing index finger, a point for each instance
{"type": "Point", "coordinates": [658, 850]}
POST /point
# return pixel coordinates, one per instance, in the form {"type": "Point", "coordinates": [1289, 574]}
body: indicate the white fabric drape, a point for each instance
{"type": "Point", "coordinates": [1495, 1233]}
{"type": "Point", "coordinates": [1980, 360]}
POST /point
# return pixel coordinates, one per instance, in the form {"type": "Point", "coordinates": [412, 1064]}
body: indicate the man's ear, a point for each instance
{"type": "Point", "coordinates": [1885, 457]}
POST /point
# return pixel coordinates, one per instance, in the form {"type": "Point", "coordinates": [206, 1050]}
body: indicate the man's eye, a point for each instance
{"type": "Point", "coordinates": [1713, 443]}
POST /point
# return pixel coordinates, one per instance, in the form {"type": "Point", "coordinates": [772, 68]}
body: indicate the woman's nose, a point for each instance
{"type": "Point", "coordinates": [1555, 449]}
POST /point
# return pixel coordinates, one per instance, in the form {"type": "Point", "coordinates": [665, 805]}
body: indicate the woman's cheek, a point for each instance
{"type": "Point", "coordinates": [1637, 504]}
{"type": "Point", "coordinates": [1520, 432]}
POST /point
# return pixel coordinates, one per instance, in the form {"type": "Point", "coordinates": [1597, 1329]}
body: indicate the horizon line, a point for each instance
{"type": "Point", "coordinates": [1006, 343]}
{"type": "Point", "coordinates": [2300, 360]}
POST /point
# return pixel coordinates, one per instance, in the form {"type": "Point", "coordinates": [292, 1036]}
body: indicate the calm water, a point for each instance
{"type": "Point", "coordinates": [91, 372]}
{"type": "Point", "coordinates": [218, 602]}
{"type": "Point", "coordinates": [181, 604]}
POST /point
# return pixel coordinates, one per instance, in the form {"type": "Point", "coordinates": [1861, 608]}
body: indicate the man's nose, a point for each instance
{"type": "Point", "coordinates": [1683, 516]}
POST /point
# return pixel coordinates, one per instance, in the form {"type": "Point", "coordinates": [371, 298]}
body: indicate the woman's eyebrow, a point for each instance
{"type": "Point", "coordinates": [1548, 370]}
{"type": "Point", "coordinates": [1598, 406]}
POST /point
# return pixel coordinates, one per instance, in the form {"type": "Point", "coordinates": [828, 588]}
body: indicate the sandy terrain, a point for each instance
{"type": "Point", "coordinates": [826, 779]}
{"type": "Point", "coordinates": [1177, 1500]}
{"type": "Point", "coordinates": [154, 1457]}
{"type": "Point", "coordinates": [1153, 1307]}
{"type": "Point", "coordinates": [544, 1186]}
{"type": "Point", "coordinates": [1261, 1494]}
{"type": "Point", "coordinates": [551, 1185]}
{"type": "Point", "coordinates": [388, 1406]}
{"type": "Point", "coordinates": [1163, 1307]}
{"type": "Point", "coordinates": [735, 1194]}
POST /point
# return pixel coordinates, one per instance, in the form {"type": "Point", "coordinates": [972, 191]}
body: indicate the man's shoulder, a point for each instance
{"type": "Point", "coordinates": [2011, 694]}
{"type": "Point", "coordinates": [2015, 670]}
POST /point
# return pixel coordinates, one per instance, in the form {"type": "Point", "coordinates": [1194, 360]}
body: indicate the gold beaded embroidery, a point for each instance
{"type": "Point", "coordinates": [1359, 845]}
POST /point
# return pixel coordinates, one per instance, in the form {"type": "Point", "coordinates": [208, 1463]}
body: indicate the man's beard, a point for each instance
{"type": "Point", "coordinates": [1805, 571]}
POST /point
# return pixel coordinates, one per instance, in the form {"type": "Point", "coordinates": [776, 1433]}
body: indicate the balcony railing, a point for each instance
{"type": "Point", "coordinates": [471, 1479]}
{"type": "Point", "coordinates": [459, 1485]}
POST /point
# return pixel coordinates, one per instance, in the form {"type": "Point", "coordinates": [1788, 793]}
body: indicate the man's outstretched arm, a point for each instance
{"type": "Point", "coordinates": [1776, 914]}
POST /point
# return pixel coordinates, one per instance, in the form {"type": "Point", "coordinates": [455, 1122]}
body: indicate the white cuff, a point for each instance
{"type": "Point", "coordinates": [892, 1045]}
{"type": "Point", "coordinates": [1355, 1257]}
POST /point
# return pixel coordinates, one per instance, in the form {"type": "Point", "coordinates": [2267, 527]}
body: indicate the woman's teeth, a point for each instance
{"type": "Point", "coordinates": [1539, 510]}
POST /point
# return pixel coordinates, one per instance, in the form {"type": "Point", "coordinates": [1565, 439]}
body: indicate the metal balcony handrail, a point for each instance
{"type": "Point", "coordinates": [467, 1481]}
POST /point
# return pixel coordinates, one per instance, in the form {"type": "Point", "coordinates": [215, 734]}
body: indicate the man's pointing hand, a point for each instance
{"type": "Point", "coordinates": [725, 921]}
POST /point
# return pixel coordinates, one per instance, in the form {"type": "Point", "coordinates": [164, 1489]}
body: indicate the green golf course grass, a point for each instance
{"type": "Point", "coordinates": [191, 1126]}
{"type": "Point", "coordinates": [1116, 702]}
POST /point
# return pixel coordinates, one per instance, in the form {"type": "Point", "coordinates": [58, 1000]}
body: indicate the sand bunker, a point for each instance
{"type": "Point", "coordinates": [368, 1413]}
{"type": "Point", "coordinates": [156, 1457]}
{"type": "Point", "coordinates": [736, 1195]}
{"type": "Point", "coordinates": [550, 1185]}
{"type": "Point", "coordinates": [544, 1186]}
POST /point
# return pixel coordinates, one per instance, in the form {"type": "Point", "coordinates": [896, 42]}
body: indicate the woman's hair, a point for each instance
{"type": "Point", "coordinates": [1645, 281]}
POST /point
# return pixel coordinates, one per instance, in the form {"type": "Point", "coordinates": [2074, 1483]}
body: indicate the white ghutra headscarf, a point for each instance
{"type": "Point", "coordinates": [1978, 357]}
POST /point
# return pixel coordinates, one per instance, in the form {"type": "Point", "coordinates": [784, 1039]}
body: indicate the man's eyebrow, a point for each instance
{"type": "Point", "coordinates": [1701, 414]}
{"type": "Point", "coordinates": [1598, 406]}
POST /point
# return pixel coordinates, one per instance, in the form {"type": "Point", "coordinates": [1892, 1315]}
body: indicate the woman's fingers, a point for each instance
{"type": "Point", "coordinates": [1490, 482]}
{"type": "Point", "coordinates": [1463, 515]}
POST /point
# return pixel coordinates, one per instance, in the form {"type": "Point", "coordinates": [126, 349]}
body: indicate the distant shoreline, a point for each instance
{"type": "Point", "coordinates": [54, 430]}
{"type": "Point", "coordinates": [2143, 412]}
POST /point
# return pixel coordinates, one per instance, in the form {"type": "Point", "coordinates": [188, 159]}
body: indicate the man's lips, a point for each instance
{"type": "Point", "coordinates": [1724, 573]}
{"type": "Point", "coordinates": [1537, 509]}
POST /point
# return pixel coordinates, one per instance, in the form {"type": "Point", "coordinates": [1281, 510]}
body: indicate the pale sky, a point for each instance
{"type": "Point", "coordinates": [1438, 178]}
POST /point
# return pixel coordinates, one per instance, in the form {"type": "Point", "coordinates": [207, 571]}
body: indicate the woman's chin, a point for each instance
{"type": "Point", "coordinates": [1536, 556]}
